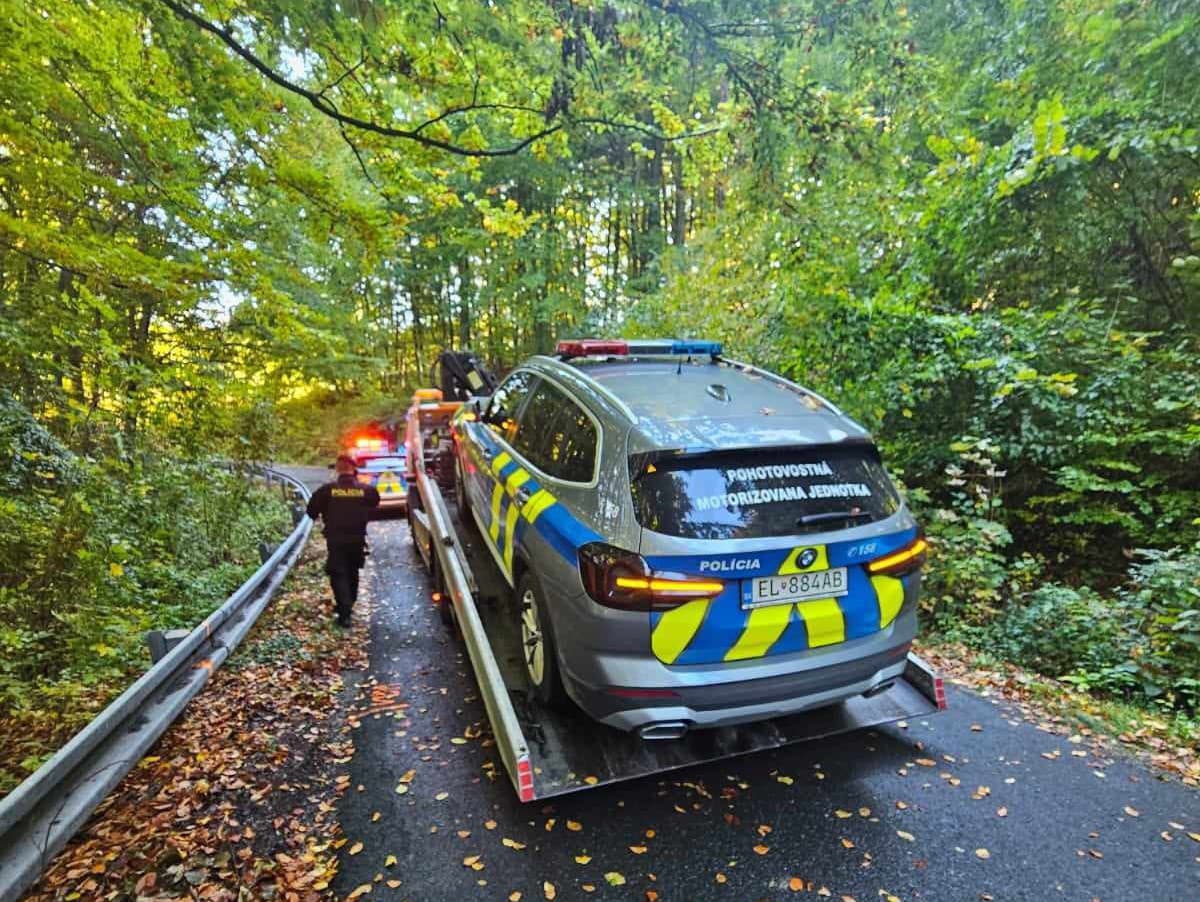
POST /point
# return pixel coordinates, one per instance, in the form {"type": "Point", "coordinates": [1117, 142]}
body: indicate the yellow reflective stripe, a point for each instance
{"type": "Point", "coordinates": [763, 628]}
{"type": "Point", "coordinates": [497, 497]}
{"type": "Point", "coordinates": [890, 592]}
{"type": "Point", "coordinates": [510, 524]}
{"type": "Point", "coordinates": [820, 562]}
{"type": "Point", "coordinates": [676, 628]}
{"type": "Point", "coordinates": [823, 620]}
{"type": "Point", "coordinates": [501, 462]}
{"type": "Point", "coordinates": [515, 481]}
{"type": "Point", "coordinates": [539, 501]}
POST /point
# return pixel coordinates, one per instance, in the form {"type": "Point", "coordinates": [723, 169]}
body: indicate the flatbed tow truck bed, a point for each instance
{"type": "Point", "coordinates": [549, 753]}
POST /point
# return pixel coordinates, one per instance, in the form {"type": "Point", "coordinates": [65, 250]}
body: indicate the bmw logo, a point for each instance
{"type": "Point", "coordinates": [807, 557]}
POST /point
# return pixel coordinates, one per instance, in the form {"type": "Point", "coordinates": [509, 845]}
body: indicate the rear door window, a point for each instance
{"type": "Point", "coordinates": [556, 435]}
{"type": "Point", "coordinates": [761, 494]}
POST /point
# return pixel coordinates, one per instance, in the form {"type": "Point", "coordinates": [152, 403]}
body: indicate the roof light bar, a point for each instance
{"type": "Point", "coordinates": [588, 347]}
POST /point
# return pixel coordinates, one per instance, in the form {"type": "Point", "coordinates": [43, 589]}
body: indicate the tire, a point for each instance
{"type": "Point", "coordinates": [445, 607]}
{"type": "Point", "coordinates": [537, 642]}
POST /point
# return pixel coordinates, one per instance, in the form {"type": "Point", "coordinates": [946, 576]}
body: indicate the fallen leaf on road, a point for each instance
{"type": "Point", "coordinates": [905, 835]}
{"type": "Point", "coordinates": [402, 789]}
{"type": "Point", "coordinates": [842, 813]}
{"type": "Point", "coordinates": [760, 849]}
{"type": "Point", "coordinates": [638, 850]}
{"type": "Point", "coordinates": [408, 776]}
{"type": "Point", "coordinates": [360, 890]}
{"type": "Point", "coordinates": [514, 896]}
{"type": "Point", "coordinates": [356, 848]}
{"type": "Point", "coordinates": [864, 812]}
{"type": "Point", "coordinates": [1001, 811]}
{"type": "Point", "coordinates": [463, 834]}
{"type": "Point", "coordinates": [389, 861]}
{"type": "Point", "coordinates": [458, 740]}
{"type": "Point", "coordinates": [574, 826]}
{"type": "Point", "coordinates": [491, 825]}
{"type": "Point", "coordinates": [582, 859]}
{"type": "Point", "coordinates": [764, 829]}
{"type": "Point", "coordinates": [926, 762]}
{"type": "Point", "coordinates": [651, 895]}
{"type": "Point", "coordinates": [796, 885]}
{"type": "Point", "coordinates": [786, 781]}
{"type": "Point", "coordinates": [846, 844]}
{"type": "Point", "coordinates": [1195, 837]}
{"type": "Point", "coordinates": [976, 728]}
{"type": "Point", "coordinates": [983, 853]}
{"type": "Point", "coordinates": [588, 887]}
{"type": "Point", "coordinates": [548, 889]}
{"type": "Point", "coordinates": [393, 884]}
{"type": "Point", "coordinates": [902, 805]}
{"type": "Point", "coordinates": [442, 796]}
{"type": "Point", "coordinates": [470, 861]}
{"type": "Point", "coordinates": [590, 781]}
{"type": "Point", "coordinates": [375, 815]}
{"type": "Point", "coordinates": [720, 878]}
{"type": "Point", "coordinates": [614, 878]}
{"type": "Point", "coordinates": [1132, 812]}
{"type": "Point", "coordinates": [513, 844]}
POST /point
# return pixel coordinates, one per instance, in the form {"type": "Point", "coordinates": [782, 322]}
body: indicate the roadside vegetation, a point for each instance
{"type": "Point", "coordinates": [230, 234]}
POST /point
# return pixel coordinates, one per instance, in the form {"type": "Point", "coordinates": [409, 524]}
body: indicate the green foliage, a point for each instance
{"type": "Point", "coordinates": [93, 554]}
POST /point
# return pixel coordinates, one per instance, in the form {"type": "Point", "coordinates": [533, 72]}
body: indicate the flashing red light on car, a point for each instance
{"type": "Point", "coordinates": [622, 579]}
{"type": "Point", "coordinates": [590, 347]}
{"type": "Point", "coordinates": [902, 561]}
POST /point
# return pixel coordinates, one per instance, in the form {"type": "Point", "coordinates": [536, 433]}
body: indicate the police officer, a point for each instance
{"type": "Point", "coordinates": [346, 506]}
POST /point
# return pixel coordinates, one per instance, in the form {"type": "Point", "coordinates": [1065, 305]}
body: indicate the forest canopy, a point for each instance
{"type": "Point", "coordinates": [229, 226]}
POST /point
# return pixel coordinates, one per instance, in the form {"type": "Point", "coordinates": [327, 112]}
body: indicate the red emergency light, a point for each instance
{"type": "Point", "coordinates": [590, 347]}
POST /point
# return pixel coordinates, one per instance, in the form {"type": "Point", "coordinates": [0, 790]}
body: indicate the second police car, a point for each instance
{"type": "Point", "coordinates": [693, 542]}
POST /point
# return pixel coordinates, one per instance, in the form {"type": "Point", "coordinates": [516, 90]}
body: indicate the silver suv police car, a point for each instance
{"type": "Point", "coordinates": [693, 542]}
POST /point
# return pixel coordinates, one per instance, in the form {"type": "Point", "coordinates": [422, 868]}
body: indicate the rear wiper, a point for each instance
{"type": "Point", "coordinates": [833, 515]}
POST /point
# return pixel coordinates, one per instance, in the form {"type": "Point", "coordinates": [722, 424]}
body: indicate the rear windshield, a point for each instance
{"type": "Point", "coordinates": [761, 494]}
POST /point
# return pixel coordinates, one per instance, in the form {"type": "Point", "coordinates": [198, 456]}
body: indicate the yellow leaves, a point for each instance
{"type": "Point", "coordinates": [473, 862]}
{"type": "Point", "coordinates": [786, 781]}
{"type": "Point", "coordinates": [361, 890]}
{"type": "Point", "coordinates": [638, 850]}
{"type": "Point", "coordinates": [981, 793]}
{"type": "Point", "coordinates": [720, 878]}
{"type": "Point", "coordinates": [760, 849]}
{"type": "Point", "coordinates": [901, 805]}
{"type": "Point", "coordinates": [356, 848]}
{"type": "Point", "coordinates": [906, 836]}
{"type": "Point", "coordinates": [1132, 812]}
{"type": "Point", "coordinates": [795, 884]}
{"type": "Point", "coordinates": [983, 854]}
{"type": "Point", "coordinates": [582, 859]}
{"type": "Point", "coordinates": [926, 762]}
{"type": "Point", "coordinates": [442, 796]}
{"type": "Point", "coordinates": [591, 781]}
{"type": "Point", "coordinates": [489, 825]}
{"type": "Point", "coordinates": [1194, 837]}
{"type": "Point", "coordinates": [513, 844]}
{"type": "Point", "coordinates": [458, 740]}
{"type": "Point", "coordinates": [615, 878]}
{"type": "Point", "coordinates": [574, 826]}
{"type": "Point", "coordinates": [847, 844]}
{"type": "Point", "coordinates": [842, 813]}
{"type": "Point", "coordinates": [514, 896]}
{"type": "Point", "coordinates": [390, 861]}
{"type": "Point", "coordinates": [864, 812]}
{"type": "Point", "coordinates": [549, 890]}
{"type": "Point", "coordinates": [375, 816]}
{"type": "Point", "coordinates": [115, 569]}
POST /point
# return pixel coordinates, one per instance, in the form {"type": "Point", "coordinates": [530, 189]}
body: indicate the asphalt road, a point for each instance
{"type": "Point", "coordinates": [971, 804]}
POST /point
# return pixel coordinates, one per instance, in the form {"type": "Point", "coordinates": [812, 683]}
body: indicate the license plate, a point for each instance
{"type": "Point", "coordinates": [768, 590]}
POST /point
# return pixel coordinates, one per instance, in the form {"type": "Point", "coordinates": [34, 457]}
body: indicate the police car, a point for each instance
{"type": "Point", "coordinates": [386, 473]}
{"type": "Point", "coordinates": [692, 541]}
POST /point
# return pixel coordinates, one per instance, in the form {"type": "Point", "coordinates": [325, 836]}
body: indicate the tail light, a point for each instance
{"type": "Point", "coordinates": [902, 561]}
{"type": "Point", "coordinates": [621, 579]}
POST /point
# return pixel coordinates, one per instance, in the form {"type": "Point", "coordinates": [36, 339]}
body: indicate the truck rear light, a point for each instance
{"type": "Point", "coordinates": [905, 560]}
{"type": "Point", "coordinates": [622, 579]}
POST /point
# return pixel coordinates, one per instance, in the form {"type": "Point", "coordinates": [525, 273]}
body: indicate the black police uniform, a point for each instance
{"type": "Point", "coordinates": [346, 507]}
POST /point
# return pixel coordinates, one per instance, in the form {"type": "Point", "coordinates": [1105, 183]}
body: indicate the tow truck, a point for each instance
{"type": "Point", "coordinates": [548, 752]}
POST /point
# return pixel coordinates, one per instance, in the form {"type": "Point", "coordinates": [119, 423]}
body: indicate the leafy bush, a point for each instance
{"type": "Point", "coordinates": [93, 554]}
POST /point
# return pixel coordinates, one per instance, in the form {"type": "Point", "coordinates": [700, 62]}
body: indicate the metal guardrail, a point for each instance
{"type": "Point", "coordinates": [41, 815]}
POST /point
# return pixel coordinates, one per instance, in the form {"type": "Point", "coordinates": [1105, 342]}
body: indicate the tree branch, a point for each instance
{"type": "Point", "coordinates": [323, 105]}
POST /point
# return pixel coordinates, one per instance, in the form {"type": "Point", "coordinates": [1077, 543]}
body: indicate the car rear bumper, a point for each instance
{"type": "Point", "coordinates": [637, 692]}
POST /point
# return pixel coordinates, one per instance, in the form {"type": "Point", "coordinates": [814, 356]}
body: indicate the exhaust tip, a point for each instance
{"type": "Point", "coordinates": [882, 687]}
{"type": "Point", "coordinates": [666, 729]}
